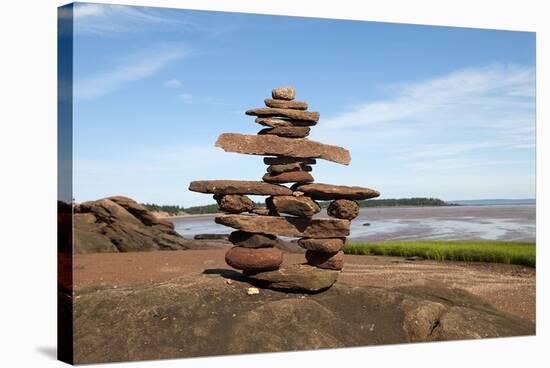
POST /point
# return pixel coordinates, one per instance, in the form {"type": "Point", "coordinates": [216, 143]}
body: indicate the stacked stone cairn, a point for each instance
{"type": "Point", "coordinates": [290, 158]}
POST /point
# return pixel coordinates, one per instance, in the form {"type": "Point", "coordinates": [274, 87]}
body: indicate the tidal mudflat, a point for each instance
{"type": "Point", "coordinates": [500, 222]}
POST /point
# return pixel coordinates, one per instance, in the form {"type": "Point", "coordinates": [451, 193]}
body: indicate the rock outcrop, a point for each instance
{"type": "Point", "coordinates": [205, 315]}
{"type": "Point", "coordinates": [120, 224]}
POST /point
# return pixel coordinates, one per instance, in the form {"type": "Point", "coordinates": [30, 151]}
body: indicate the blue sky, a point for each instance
{"type": "Point", "coordinates": [425, 111]}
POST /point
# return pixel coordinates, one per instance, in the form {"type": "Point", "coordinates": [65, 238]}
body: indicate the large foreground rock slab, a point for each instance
{"type": "Point", "coordinates": [120, 224]}
{"type": "Point", "coordinates": [279, 146]}
{"type": "Point", "coordinates": [330, 191]}
{"type": "Point", "coordinates": [238, 187]}
{"type": "Point", "coordinates": [202, 315]}
{"type": "Point", "coordinates": [287, 226]}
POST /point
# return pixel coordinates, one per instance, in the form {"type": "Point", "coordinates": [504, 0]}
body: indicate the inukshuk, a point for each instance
{"type": "Point", "coordinates": [255, 249]}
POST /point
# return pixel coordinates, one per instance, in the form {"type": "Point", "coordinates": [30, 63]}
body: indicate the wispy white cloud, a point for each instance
{"type": "Point", "coordinates": [173, 83]}
{"type": "Point", "coordinates": [463, 111]}
{"type": "Point", "coordinates": [134, 67]}
{"type": "Point", "coordinates": [108, 19]}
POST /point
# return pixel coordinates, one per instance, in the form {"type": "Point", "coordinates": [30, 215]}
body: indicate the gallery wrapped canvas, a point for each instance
{"type": "Point", "coordinates": [235, 183]}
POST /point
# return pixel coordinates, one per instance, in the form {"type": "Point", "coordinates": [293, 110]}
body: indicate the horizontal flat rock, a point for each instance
{"type": "Point", "coordinates": [291, 205]}
{"type": "Point", "coordinates": [287, 226]}
{"type": "Point", "coordinates": [295, 166]}
{"type": "Point", "coordinates": [254, 259]}
{"type": "Point", "coordinates": [238, 187]}
{"type": "Point", "coordinates": [329, 191]}
{"type": "Point", "coordinates": [298, 277]}
{"type": "Point", "coordinates": [279, 146]}
{"type": "Point", "coordinates": [288, 177]}
{"type": "Point", "coordinates": [284, 104]}
{"type": "Point", "coordinates": [284, 93]}
{"type": "Point", "coordinates": [289, 132]}
{"type": "Point", "coordinates": [287, 113]}
{"type": "Point", "coordinates": [275, 123]}
{"type": "Point", "coordinates": [282, 160]}
{"type": "Point", "coordinates": [328, 245]}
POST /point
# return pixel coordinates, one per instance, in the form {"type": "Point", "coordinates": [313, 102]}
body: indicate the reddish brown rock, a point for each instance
{"type": "Point", "coordinates": [253, 240]}
{"type": "Point", "coordinates": [343, 209]}
{"type": "Point", "coordinates": [278, 169]}
{"type": "Point", "coordinates": [238, 187]}
{"type": "Point", "coordinates": [284, 93]}
{"type": "Point", "coordinates": [254, 259]}
{"type": "Point", "coordinates": [263, 212]}
{"type": "Point", "coordinates": [287, 226]}
{"type": "Point", "coordinates": [288, 177]}
{"type": "Point", "coordinates": [274, 122]}
{"type": "Point", "coordinates": [234, 203]}
{"type": "Point", "coordinates": [329, 191]}
{"type": "Point", "coordinates": [296, 277]}
{"type": "Point", "coordinates": [289, 132]}
{"type": "Point", "coordinates": [329, 261]}
{"type": "Point", "coordinates": [279, 146]}
{"type": "Point", "coordinates": [285, 113]}
{"type": "Point", "coordinates": [283, 104]}
{"type": "Point", "coordinates": [329, 245]}
{"type": "Point", "coordinates": [281, 160]}
{"type": "Point", "coordinates": [297, 206]}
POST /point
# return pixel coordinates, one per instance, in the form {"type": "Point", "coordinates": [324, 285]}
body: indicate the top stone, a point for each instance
{"type": "Point", "coordinates": [283, 93]}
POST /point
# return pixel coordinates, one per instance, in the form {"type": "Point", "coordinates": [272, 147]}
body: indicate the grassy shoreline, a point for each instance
{"type": "Point", "coordinates": [520, 253]}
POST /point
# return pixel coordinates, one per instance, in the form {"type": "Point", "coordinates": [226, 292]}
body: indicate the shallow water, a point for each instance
{"type": "Point", "coordinates": [514, 222]}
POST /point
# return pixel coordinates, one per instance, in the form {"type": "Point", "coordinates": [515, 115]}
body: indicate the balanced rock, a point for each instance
{"type": "Point", "coordinates": [297, 206]}
{"type": "Point", "coordinates": [275, 122]}
{"type": "Point", "coordinates": [329, 191]}
{"type": "Point", "coordinates": [344, 209]}
{"type": "Point", "coordinates": [289, 132]}
{"type": "Point", "coordinates": [262, 211]}
{"type": "Point", "coordinates": [285, 113]}
{"type": "Point", "coordinates": [330, 261]}
{"type": "Point", "coordinates": [284, 104]}
{"type": "Point", "coordinates": [328, 245]}
{"type": "Point", "coordinates": [283, 93]}
{"type": "Point", "coordinates": [282, 160]}
{"type": "Point", "coordinates": [279, 146]}
{"type": "Point", "coordinates": [234, 203]}
{"type": "Point", "coordinates": [297, 278]}
{"type": "Point", "coordinates": [296, 166]}
{"type": "Point", "coordinates": [254, 259]}
{"type": "Point", "coordinates": [287, 226]}
{"type": "Point", "coordinates": [238, 187]}
{"type": "Point", "coordinates": [253, 240]}
{"type": "Point", "coordinates": [288, 177]}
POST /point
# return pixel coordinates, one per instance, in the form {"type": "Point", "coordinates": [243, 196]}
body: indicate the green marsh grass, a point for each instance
{"type": "Point", "coordinates": [520, 253]}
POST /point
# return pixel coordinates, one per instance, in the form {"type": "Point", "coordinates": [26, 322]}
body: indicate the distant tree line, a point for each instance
{"type": "Point", "coordinates": [213, 208]}
{"type": "Point", "coordinates": [398, 202]}
{"type": "Point", "coordinates": [170, 209]}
